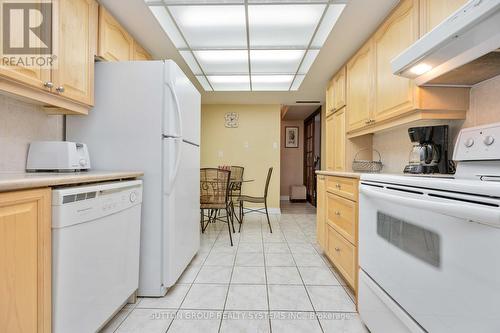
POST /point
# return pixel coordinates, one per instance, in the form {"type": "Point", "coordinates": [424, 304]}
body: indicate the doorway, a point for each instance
{"type": "Point", "coordinates": [297, 175]}
{"type": "Point", "coordinates": [312, 154]}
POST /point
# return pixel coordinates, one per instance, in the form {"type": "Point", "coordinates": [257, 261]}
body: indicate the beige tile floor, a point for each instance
{"type": "Point", "coordinates": [277, 282]}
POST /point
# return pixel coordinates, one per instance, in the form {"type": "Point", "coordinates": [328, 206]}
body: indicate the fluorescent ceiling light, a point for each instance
{"type": "Point", "coordinates": [230, 82]}
{"type": "Point", "coordinates": [275, 61]}
{"type": "Point", "coordinates": [204, 82]}
{"type": "Point", "coordinates": [223, 62]}
{"type": "Point", "coordinates": [168, 26]}
{"type": "Point", "coordinates": [332, 15]}
{"type": "Point", "coordinates": [297, 82]}
{"type": "Point", "coordinates": [248, 45]}
{"type": "Point", "coordinates": [271, 82]}
{"type": "Point", "coordinates": [308, 61]}
{"type": "Point", "coordinates": [191, 61]}
{"type": "Point", "coordinates": [283, 25]}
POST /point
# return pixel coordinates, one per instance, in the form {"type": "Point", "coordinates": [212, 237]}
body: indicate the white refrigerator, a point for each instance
{"type": "Point", "coordinates": [147, 117]}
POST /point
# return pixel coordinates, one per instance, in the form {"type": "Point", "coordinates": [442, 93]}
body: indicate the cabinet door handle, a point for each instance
{"type": "Point", "coordinates": [60, 89]}
{"type": "Point", "coordinates": [48, 84]}
{"type": "Point", "coordinates": [337, 249]}
{"type": "Point", "coordinates": [337, 213]}
{"type": "Point", "coordinates": [338, 186]}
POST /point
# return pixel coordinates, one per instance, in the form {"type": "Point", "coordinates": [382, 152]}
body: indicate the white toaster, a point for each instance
{"type": "Point", "coordinates": [57, 156]}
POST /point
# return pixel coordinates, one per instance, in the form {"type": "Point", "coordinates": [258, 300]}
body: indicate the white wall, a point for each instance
{"type": "Point", "coordinates": [21, 123]}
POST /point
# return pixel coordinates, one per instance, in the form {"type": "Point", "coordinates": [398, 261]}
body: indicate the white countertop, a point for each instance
{"type": "Point", "coordinates": [24, 180]}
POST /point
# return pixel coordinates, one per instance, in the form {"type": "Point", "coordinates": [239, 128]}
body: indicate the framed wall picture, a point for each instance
{"type": "Point", "coordinates": [291, 137]}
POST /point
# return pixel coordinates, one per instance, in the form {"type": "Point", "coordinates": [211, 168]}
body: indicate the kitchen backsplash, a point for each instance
{"type": "Point", "coordinates": [21, 123]}
{"type": "Point", "coordinates": [394, 145]}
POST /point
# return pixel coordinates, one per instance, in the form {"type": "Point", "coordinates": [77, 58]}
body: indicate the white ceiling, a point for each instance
{"type": "Point", "coordinates": [358, 21]}
{"type": "Point", "coordinates": [248, 45]}
{"type": "Point", "coordinates": [299, 112]}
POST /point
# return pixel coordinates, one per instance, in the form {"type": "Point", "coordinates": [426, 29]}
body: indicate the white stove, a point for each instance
{"type": "Point", "coordinates": [428, 246]}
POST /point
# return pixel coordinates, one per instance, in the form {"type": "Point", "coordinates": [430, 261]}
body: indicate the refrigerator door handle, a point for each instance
{"type": "Point", "coordinates": [172, 177]}
{"type": "Point", "coordinates": [177, 107]}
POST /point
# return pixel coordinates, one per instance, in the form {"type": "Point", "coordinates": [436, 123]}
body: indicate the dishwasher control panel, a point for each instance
{"type": "Point", "coordinates": [84, 203]}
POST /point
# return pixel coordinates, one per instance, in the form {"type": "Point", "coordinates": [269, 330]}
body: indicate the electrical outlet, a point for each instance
{"type": "Point", "coordinates": [220, 154]}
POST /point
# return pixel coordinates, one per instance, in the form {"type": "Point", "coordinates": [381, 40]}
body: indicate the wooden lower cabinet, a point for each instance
{"type": "Point", "coordinates": [337, 224]}
{"type": "Point", "coordinates": [25, 261]}
{"type": "Point", "coordinates": [344, 255]}
{"type": "Point", "coordinates": [320, 213]}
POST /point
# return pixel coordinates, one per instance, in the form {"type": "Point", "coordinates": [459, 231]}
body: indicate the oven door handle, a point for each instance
{"type": "Point", "coordinates": [466, 211]}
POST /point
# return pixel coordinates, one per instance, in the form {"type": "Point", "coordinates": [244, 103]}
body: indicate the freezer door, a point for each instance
{"type": "Point", "coordinates": [181, 209]}
{"type": "Point", "coordinates": [182, 105]}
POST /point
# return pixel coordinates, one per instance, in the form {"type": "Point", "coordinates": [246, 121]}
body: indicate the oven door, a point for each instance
{"type": "Point", "coordinates": [424, 249]}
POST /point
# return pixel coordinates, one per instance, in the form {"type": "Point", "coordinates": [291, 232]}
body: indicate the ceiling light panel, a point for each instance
{"type": "Point", "coordinates": [243, 45]}
{"type": "Point", "coordinates": [216, 62]}
{"type": "Point", "coordinates": [191, 61]}
{"type": "Point", "coordinates": [168, 26]}
{"type": "Point", "coordinates": [283, 25]}
{"type": "Point", "coordinates": [331, 16]}
{"type": "Point", "coordinates": [271, 82]}
{"type": "Point", "coordinates": [211, 26]}
{"type": "Point", "coordinates": [308, 61]}
{"type": "Point", "coordinates": [230, 82]}
{"type": "Point", "coordinates": [297, 82]}
{"type": "Point", "coordinates": [202, 2]}
{"type": "Point", "coordinates": [204, 82]}
{"type": "Point", "coordinates": [275, 61]}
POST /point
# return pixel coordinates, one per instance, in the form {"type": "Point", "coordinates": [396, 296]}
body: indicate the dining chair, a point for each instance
{"type": "Point", "coordinates": [256, 200]}
{"type": "Point", "coordinates": [235, 190]}
{"type": "Point", "coordinates": [214, 197]}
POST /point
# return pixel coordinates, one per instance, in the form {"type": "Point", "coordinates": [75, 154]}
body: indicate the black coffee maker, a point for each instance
{"type": "Point", "coordinates": [429, 153]}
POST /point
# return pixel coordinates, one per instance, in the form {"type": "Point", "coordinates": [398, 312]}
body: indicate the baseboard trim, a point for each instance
{"type": "Point", "coordinates": [274, 210]}
{"type": "Point", "coordinates": [285, 198]}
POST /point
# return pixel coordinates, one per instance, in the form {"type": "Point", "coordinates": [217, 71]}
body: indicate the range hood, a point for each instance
{"type": "Point", "coordinates": [461, 51]}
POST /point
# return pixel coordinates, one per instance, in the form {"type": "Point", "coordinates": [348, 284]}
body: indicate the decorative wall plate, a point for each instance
{"type": "Point", "coordinates": [232, 119]}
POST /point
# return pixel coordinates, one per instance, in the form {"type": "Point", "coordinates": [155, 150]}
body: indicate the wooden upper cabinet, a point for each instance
{"type": "Point", "coordinates": [73, 77]}
{"type": "Point", "coordinates": [25, 262]}
{"type": "Point", "coordinates": [115, 44]}
{"type": "Point", "coordinates": [330, 98]}
{"type": "Point", "coordinates": [140, 53]}
{"type": "Point", "coordinates": [433, 12]}
{"type": "Point", "coordinates": [339, 93]}
{"type": "Point", "coordinates": [394, 94]}
{"type": "Point", "coordinates": [32, 76]}
{"type": "Point", "coordinates": [359, 87]}
{"type": "Point", "coordinates": [339, 144]}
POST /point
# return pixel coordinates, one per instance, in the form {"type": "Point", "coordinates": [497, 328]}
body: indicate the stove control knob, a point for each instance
{"type": "Point", "coordinates": [488, 140]}
{"type": "Point", "coordinates": [133, 197]}
{"type": "Point", "coordinates": [83, 162]}
{"type": "Point", "coordinates": [469, 142]}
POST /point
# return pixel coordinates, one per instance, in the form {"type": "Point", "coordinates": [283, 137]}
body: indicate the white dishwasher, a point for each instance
{"type": "Point", "coordinates": [95, 253]}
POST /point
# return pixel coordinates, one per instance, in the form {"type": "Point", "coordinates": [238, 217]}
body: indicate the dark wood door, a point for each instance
{"type": "Point", "coordinates": [312, 154]}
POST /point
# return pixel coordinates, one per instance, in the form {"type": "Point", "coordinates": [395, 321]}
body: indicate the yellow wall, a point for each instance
{"type": "Point", "coordinates": [255, 144]}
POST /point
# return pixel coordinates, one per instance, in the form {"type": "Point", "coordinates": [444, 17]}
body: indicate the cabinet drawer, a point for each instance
{"type": "Point", "coordinates": [345, 187]}
{"type": "Point", "coordinates": [343, 255]}
{"type": "Point", "coordinates": [342, 216]}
